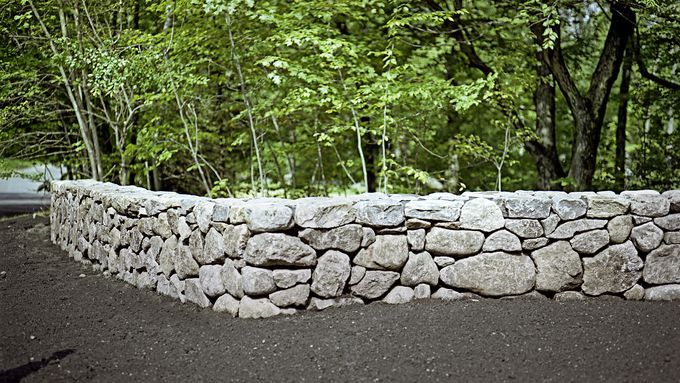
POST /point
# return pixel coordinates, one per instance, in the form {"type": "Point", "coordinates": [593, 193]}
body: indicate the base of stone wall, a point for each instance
{"type": "Point", "coordinates": [262, 257]}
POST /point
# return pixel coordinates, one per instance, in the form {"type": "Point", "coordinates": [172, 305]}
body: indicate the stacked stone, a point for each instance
{"type": "Point", "coordinates": [267, 256]}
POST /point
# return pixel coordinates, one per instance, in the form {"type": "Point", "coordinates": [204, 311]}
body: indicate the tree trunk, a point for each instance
{"type": "Point", "coordinates": [620, 161]}
{"type": "Point", "coordinates": [545, 155]}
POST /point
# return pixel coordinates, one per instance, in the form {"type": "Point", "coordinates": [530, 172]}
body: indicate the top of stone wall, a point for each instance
{"type": "Point", "coordinates": [485, 211]}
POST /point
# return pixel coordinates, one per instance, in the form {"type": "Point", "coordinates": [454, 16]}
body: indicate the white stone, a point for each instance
{"type": "Point", "coordinates": [527, 207]}
{"type": "Point", "coordinates": [399, 295]}
{"type": "Point", "coordinates": [235, 239]}
{"type": "Point", "coordinates": [294, 296]}
{"type": "Point", "coordinates": [232, 279]}
{"type": "Point", "coordinates": [568, 229]}
{"type": "Point", "coordinates": [288, 278]}
{"type": "Point", "coordinates": [422, 291]}
{"type": "Point", "coordinates": [443, 261]}
{"type": "Point", "coordinates": [324, 213]}
{"type": "Point", "coordinates": [257, 281]}
{"type": "Point", "coordinates": [331, 274]}
{"type": "Point", "coordinates": [278, 249]}
{"type": "Point", "coordinates": [345, 238]}
{"type": "Point", "coordinates": [590, 242]}
{"type": "Point", "coordinates": [265, 217]}
{"type": "Point", "coordinates": [322, 304]}
{"type": "Point", "coordinates": [388, 252]}
{"type": "Point", "coordinates": [524, 228]}
{"type": "Point", "coordinates": [491, 274]}
{"type": "Point", "coordinates": [416, 239]}
{"type": "Point", "coordinates": [194, 293]}
{"type": "Point", "coordinates": [502, 240]}
{"type": "Point", "coordinates": [380, 213]}
{"type": "Point", "coordinates": [257, 308]}
{"type": "Point", "coordinates": [227, 304]}
{"type": "Point", "coordinates": [447, 242]}
{"type": "Point", "coordinates": [213, 248]}
{"type": "Point", "coordinates": [615, 269]}
{"type": "Point", "coordinates": [558, 267]}
{"type": "Point", "coordinates": [619, 228]}
{"type": "Point", "coordinates": [434, 210]}
{"type": "Point", "coordinates": [203, 212]}
{"type": "Point", "coordinates": [374, 284]}
{"type": "Point", "coordinates": [569, 208]}
{"type": "Point", "coordinates": [420, 268]}
{"type": "Point", "coordinates": [481, 214]}
{"type": "Point", "coordinates": [606, 207]}
{"type": "Point", "coordinates": [210, 277]}
{"type": "Point", "coordinates": [356, 274]}
{"type": "Point", "coordinates": [635, 293]}
{"type": "Point", "coordinates": [646, 237]}
{"type": "Point", "coordinates": [669, 222]}
{"type": "Point", "coordinates": [662, 266]}
{"type": "Point", "coordinates": [663, 293]}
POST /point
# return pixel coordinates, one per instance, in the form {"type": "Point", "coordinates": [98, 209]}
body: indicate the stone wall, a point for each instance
{"type": "Point", "coordinates": [267, 256]}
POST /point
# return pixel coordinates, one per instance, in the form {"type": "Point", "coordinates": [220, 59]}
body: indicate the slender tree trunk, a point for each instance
{"type": "Point", "coordinates": [620, 160]}
{"type": "Point", "coordinates": [547, 160]}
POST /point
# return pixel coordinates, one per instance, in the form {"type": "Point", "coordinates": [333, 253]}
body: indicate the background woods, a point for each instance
{"type": "Point", "coordinates": [293, 98]}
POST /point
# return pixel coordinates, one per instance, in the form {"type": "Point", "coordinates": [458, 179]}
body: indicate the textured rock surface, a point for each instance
{"type": "Point", "coordinates": [434, 210]}
{"type": "Point", "coordinates": [453, 242]}
{"type": "Point", "coordinates": [481, 214]}
{"type": "Point", "coordinates": [606, 207]}
{"type": "Point", "coordinates": [635, 293]}
{"type": "Point", "coordinates": [416, 239]}
{"type": "Point", "coordinates": [649, 205]}
{"type": "Point", "coordinates": [646, 237]}
{"type": "Point", "coordinates": [257, 281]}
{"type": "Point", "coordinates": [294, 296]}
{"type": "Point", "coordinates": [264, 217]}
{"type": "Point", "coordinates": [210, 277]}
{"type": "Point", "coordinates": [502, 240]}
{"type": "Point", "coordinates": [383, 213]}
{"type": "Point", "coordinates": [331, 274]}
{"type": "Point", "coordinates": [569, 208]}
{"type": "Point", "coordinates": [277, 249]}
{"type": "Point", "coordinates": [491, 274]}
{"type": "Point", "coordinates": [614, 270]}
{"type": "Point", "coordinates": [558, 267]}
{"type": "Point", "coordinates": [669, 222]}
{"type": "Point", "coordinates": [227, 304]}
{"type": "Point", "coordinates": [324, 213]}
{"type": "Point", "coordinates": [287, 278]}
{"type": "Point", "coordinates": [345, 238]}
{"type": "Point", "coordinates": [194, 293]}
{"type": "Point", "coordinates": [619, 228]}
{"type": "Point", "coordinates": [388, 252]}
{"type": "Point", "coordinates": [663, 293]}
{"type": "Point", "coordinates": [528, 207]}
{"type": "Point", "coordinates": [663, 265]}
{"type": "Point", "coordinates": [590, 242]}
{"type": "Point", "coordinates": [322, 304]}
{"type": "Point", "coordinates": [525, 228]}
{"type": "Point", "coordinates": [567, 296]}
{"type": "Point", "coordinates": [569, 229]}
{"type": "Point", "coordinates": [374, 284]}
{"type": "Point", "coordinates": [399, 295]}
{"type": "Point", "coordinates": [420, 268]}
{"type": "Point", "coordinates": [257, 308]}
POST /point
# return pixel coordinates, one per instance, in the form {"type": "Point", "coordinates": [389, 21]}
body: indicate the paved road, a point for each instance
{"type": "Point", "coordinates": [60, 327]}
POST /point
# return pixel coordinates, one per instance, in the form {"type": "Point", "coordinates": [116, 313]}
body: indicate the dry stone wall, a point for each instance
{"type": "Point", "coordinates": [266, 256]}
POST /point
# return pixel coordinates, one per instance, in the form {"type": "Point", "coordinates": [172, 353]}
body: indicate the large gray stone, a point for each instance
{"type": "Point", "coordinates": [356, 274]}
{"type": "Point", "coordinates": [434, 210]}
{"type": "Point", "coordinates": [671, 237]}
{"type": "Point", "coordinates": [649, 205]}
{"type": "Point", "coordinates": [662, 265]}
{"type": "Point", "coordinates": [550, 224]}
{"type": "Point", "coordinates": [399, 295]}
{"type": "Point", "coordinates": [235, 240]}
{"type": "Point", "coordinates": [264, 217]}
{"type": "Point", "coordinates": [569, 208]}
{"type": "Point", "coordinates": [331, 274]}
{"type": "Point", "coordinates": [345, 238]}
{"type": "Point", "coordinates": [374, 284]}
{"type": "Point", "coordinates": [278, 249]}
{"type": "Point", "coordinates": [502, 240]}
{"type": "Point", "coordinates": [635, 293]}
{"type": "Point", "coordinates": [481, 214]}
{"type": "Point", "coordinates": [606, 207]}
{"type": "Point", "coordinates": [388, 252]}
{"type": "Point", "coordinates": [203, 212]}
{"type": "Point", "coordinates": [161, 226]}
{"type": "Point", "coordinates": [559, 267]}
{"type": "Point", "coordinates": [380, 213]}
{"type": "Point", "coordinates": [294, 296]}
{"type": "Point", "coordinates": [492, 274]}
{"type": "Point", "coordinates": [232, 279]}
{"type": "Point", "coordinates": [194, 293]}
{"type": "Point", "coordinates": [257, 281]}
{"type": "Point", "coordinates": [590, 242]}
{"type": "Point", "coordinates": [196, 245]}
{"type": "Point", "coordinates": [226, 304]}
{"type": "Point", "coordinates": [289, 278]}
{"type": "Point", "coordinates": [568, 229]}
{"type": "Point", "coordinates": [416, 239]}
{"type": "Point", "coordinates": [420, 268]}
{"type": "Point", "coordinates": [534, 243]}
{"type": "Point", "coordinates": [185, 264]}
{"type": "Point", "coordinates": [257, 308]}
{"type": "Point", "coordinates": [663, 293]}
{"type": "Point", "coordinates": [210, 277]}
{"type": "Point", "coordinates": [619, 228]}
{"type": "Point", "coordinates": [669, 222]}
{"type": "Point", "coordinates": [441, 241]}
{"type": "Point", "coordinates": [646, 237]}
{"type": "Point", "coordinates": [527, 207]}
{"type": "Point", "coordinates": [324, 213]}
{"type": "Point", "coordinates": [213, 248]}
{"type": "Point", "coordinates": [166, 256]}
{"type": "Point", "coordinates": [614, 270]}
{"type": "Point", "coordinates": [422, 291]}
{"type": "Point", "coordinates": [524, 228]}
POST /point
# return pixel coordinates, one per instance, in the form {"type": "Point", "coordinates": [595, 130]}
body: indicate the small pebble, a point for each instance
{"type": "Point", "coordinates": [82, 275]}
{"type": "Point", "coordinates": [3, 274]}
{"type": "Point", "coordinates": [32, 337]}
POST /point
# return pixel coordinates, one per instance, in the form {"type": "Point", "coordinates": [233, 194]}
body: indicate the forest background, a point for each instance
{"type": "Point", "coordinates": [296, 98]}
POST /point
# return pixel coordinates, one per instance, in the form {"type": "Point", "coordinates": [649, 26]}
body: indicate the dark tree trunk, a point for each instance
{"type": "Point", "coordinates": [620, 161]}
{"type": "Point", "coordinates": [545, 155]}
{"type": "Point", "coordinates": [371, 149]}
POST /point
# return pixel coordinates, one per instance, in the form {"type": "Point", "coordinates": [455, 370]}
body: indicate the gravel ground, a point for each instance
{"type": "Point", "coordinates": [62, 323]}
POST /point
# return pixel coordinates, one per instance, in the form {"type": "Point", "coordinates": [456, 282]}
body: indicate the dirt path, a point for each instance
{"type": "Point", "coordinates": [58, 326]}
